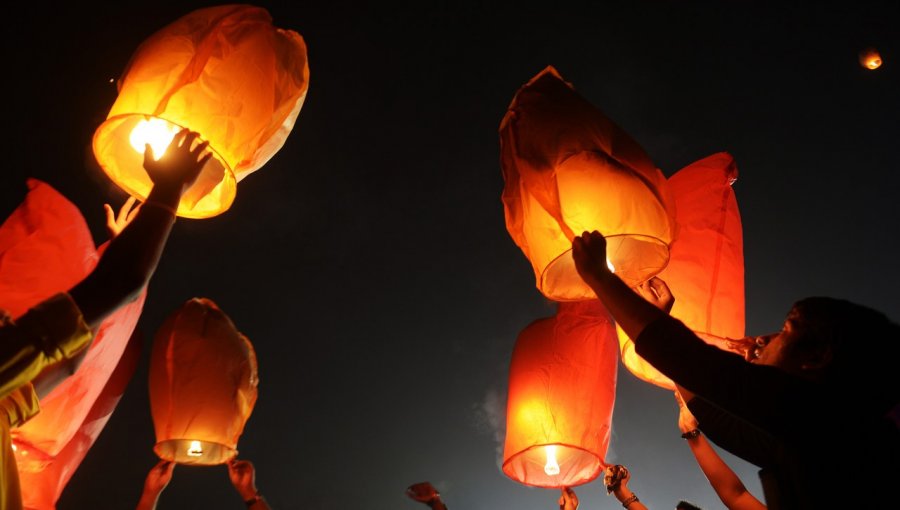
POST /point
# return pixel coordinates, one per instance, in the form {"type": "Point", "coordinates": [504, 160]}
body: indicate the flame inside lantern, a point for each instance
{"type": "Point", "coordinates": [551, 467]}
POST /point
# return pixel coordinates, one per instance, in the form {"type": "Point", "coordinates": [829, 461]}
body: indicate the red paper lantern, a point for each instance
{"type": "Point", "coordinates": [46, 248]}
{"type": "Point", "coordinates": [706, 266]}
{"type": "Point", "coordinates": [562, 387]}
{"type": "Point", "coordinates": [203, 385]}
{"type": "Point", "coordinates": [569, 169]}
{"type": "Point", "coordinates": [225, 72]}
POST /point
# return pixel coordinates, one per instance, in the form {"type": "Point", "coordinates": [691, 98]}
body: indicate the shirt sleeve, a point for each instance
{"type": "Point", "coordinates": [48, 333]}
{"type": "Point", "coordinates": [20, 406]}
{"type": "Point", "coordinates": [762, 396]}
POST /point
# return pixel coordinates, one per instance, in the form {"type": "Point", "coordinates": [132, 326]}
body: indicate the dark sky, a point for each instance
{"type": "Point", "coordinates": [368, 261]}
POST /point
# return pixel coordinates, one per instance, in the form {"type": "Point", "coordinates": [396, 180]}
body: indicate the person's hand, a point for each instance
{"type": "Point", "coordinates": [615, 477]}
{"type": "Point", "coordinates": [158, 477]}
{"type": "Point", "coordinates": [180, 165]}
{"type": "Point", "coordinates": [568, 500]}
{"type": "Point", "coordinates": [589, 254]}
{"type": "Point", "coordinates": [243, 477]}
{"type": "Point", "coordinates": [686, 420]}
{"type": "Point", "coordinates": [423, 492]}
{"type": "Point", "coordinates": [657, 293]}
{"type": "Point", "coordinates": [748, 347]}
{"type": "Point", "coordinates": [116, 222]}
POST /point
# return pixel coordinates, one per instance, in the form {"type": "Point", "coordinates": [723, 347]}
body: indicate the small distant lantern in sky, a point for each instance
{"type": "Point", "coordinates": [706, 268]}
{"type": "Point", "coordinates": [562, 388]}
{"type": "Point", "coordinates": [568, 169]}
{"type": "Point", "coordinates": [225, 72]}
{"type": "Point", "coordinates": [870, 58]}
{"type": "Point", "coordinates": [203, 385]}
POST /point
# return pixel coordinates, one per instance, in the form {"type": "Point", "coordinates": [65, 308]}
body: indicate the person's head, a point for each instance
{"type": "Point", "coordinates": [684, 505]}
{"type": "Point", "coordinates": [834, 341]}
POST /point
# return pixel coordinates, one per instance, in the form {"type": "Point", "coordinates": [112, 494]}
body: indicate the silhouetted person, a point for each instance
{"type": "Point", "coordinates": [817, 392]}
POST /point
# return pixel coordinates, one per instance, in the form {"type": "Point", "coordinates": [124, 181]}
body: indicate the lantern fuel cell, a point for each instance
{"type": "Point", "coordinates": [224, 72]}
{"type": "Point", "coordinates": [203, 385]}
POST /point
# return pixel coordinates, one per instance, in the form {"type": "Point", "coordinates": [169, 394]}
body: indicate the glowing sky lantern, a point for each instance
{"type": "Point", "coordinates": [46, 248]}
{"type": "Point", "coordinates": [562, 387]}
{"type": "Point", "coordinates": [569, 169]}
{"type": "Point", "coordinates": [225, 72]}
{"type": "Point", "coordinates": [870, 58]}
{"type": "Point", "coordinates": [203, 385]}
{"type": "Point", "coordinates": [706, 267]}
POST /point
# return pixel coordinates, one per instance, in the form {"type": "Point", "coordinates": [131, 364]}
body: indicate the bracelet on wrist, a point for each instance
{"type": "Point", "coordinates": [691, 434]}
{"type": "Point", "coordinates": [630, 500]}
{"type": "Point", "coordinates": [160, 205]}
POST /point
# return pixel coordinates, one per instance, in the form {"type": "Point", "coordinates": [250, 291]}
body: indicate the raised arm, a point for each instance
{"type": "Point", "coordinates": [132, 256]}
{"type": "Point", "coordinates": [724, 481]}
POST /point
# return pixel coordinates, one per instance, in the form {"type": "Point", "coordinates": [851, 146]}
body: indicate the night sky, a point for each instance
{"type": "Point", "coordinates": [369, 263]}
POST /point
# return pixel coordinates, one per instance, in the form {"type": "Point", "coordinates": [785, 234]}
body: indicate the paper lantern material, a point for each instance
{"type": "Point", "coordinates": [203, 385]}
{"type": "Point", "coordinates": [45, 248]}
{"type": "Point", "coordinates": [569, 169]}
{"type": "Point", "coordinates": [706, 266]}
{"type": "Point", "coordinates": [562, 388]}
{"type": "Point", "coordinates": [225, 72]}
{"type": "Point", "coordinates": [41, 488]}
{"type": "Point", "coordinates": [870, 59]}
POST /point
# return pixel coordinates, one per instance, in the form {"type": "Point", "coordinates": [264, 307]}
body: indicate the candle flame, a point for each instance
{"type": "Point", "coordinates": [610, 265]}
{"type": "Point", "coordinates": [551, 467]}
{"type": "Point", "coordinates": [156, 132]}
{"type": "Point", "coordinates": [195, 450]}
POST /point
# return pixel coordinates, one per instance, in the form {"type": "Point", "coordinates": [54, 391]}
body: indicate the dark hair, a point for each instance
{"type": "Point", "coordinates": [864, 343]}
{"type": "Point", "coordinates": [684, 505]}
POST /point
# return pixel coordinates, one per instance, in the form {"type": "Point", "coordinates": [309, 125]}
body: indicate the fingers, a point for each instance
{"type": "Point", "coordinates": [148, 154]}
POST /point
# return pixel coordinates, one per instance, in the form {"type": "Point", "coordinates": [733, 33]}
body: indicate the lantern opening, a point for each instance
{"type": "Point", "coordinates": [633, 257]}
{"type": "Point", "coordinates": [119, 145]}
{"type": "Point", "coordinates": [193, 451]}
{"type": "Point", "coordinates": [551, 467]}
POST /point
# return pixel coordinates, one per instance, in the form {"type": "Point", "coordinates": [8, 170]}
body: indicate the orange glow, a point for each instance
{"type": "Point", "coordinates": [568, 169]}
{"type": "Point", "coordinates": [562, 384]}
{"type": "Point", "coordinates": [203, 385]}
{"type": "Point", "coordinates": [225, 72]}
{"type": "Point", "coordinates": [870, 58]}
{"type": "Point", "coordinates": [156, 132]}
{"type": "Point", "coordinates": [706, 268]}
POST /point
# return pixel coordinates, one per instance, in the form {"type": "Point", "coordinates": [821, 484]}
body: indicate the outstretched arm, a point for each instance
{"type": "Point", "coordinates": [630, 310]}
{"type": "Point", "coordinates": [616, 480]}
{"type": "Point", "coordinates": [243, 477]}
{"type": "Point", "coordinates": [724, 481]}
{"type": "Point", "coordinates": [157, 480]}
{"type": "Point", "coordinates": [132, 256]}
{"type": "Point", "coordinates": [424, 492]}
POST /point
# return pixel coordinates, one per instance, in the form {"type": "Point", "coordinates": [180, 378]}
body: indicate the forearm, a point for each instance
{"type": "Point", "coordinates": [130, 259]}
{"type": "Point", "coordinates": [148, 501]}
{"type": "Point", "coordinates": [630, 311]}
{"type": "Point", "coordinates": [722, 479]}
{"type": "Point", "coordinates": [626, 497]}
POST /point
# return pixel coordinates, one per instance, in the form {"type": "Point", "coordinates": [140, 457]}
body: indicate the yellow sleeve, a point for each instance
{"type": "Point", "coordinates": [20, 406]}
{"type": "Point", "coordinates": [47, 334]}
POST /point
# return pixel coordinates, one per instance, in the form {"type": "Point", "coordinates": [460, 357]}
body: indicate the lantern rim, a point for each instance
{"type": "Point", "coordinates": [167, 450]}
{"type": "Point", "coordinates": [601, 465]}
{"type": "Point", "coordinates": [228, 180]}
{"type": "Point", "coordinates": [631, 281]}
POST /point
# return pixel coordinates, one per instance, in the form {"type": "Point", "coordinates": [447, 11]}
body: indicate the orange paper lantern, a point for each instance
{"type": "Point", "coordinates": [203, 383]}
{"type": "Point", "coordinates": [568, 169]}
{"type": "Point", "coordinates": [706, 267]}
{"type": "Point", "coordinates": [562, 387]}
{"type": "Point", "coordinates": [870, 59]}
{"type": "Point", "coordinates": [225, 72]}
